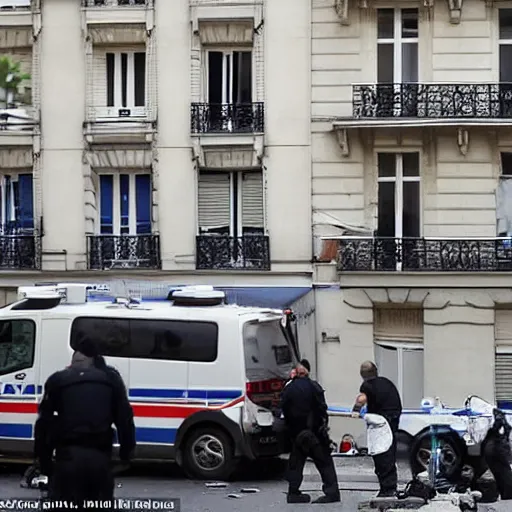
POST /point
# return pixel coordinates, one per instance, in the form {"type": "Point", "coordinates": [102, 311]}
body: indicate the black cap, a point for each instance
{"type": "Point", "coordinates": [86, 347]}
{"type": "Point", "coordinates": [305, 363]}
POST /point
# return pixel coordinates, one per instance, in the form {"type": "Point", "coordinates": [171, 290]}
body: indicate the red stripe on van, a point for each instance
{"type": "Point", "coordinates": [139, 410]}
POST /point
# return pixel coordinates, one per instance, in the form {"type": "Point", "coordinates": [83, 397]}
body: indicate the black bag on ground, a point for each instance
{"type": "Point", "coordinates": [418, 489]}
{"type": "Point", "coordinates": [486, 484]}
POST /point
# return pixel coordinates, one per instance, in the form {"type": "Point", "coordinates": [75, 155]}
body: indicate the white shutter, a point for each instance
{"type": "Point", "coordinates": [213, 200]}
{"type": "Point", "coordinates": [503, 327]}
{"type": "Point", "coordinates": [252, 200]}
{"type": "Point", "coordinates": [503, 376]}
{"type": "Point", "coordinates": [398, 325]}
{"type": "Point", "coordinates": [99, 71]}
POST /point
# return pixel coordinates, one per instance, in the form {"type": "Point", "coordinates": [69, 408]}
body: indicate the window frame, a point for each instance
{"type": "Point", "coordinates": [116, 202]}
{"type": "Point", "coordinates": [399, 179]}
{"type": "Point", "coordinates": [128, 321]}
{"type": "Point", "coordinates": [400, 347]}
{"type": "Point", "coordinates": [398, 41]}
{"type": "Point", "coordinates": [15, 215]}
{"type": "Point", "coordinates": [226, 50]}
{"type": "Point", "coordinates": [22, 367]}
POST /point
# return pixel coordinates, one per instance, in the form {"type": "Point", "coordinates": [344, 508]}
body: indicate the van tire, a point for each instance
{"type": "Point", "coordinates": [196, 461]}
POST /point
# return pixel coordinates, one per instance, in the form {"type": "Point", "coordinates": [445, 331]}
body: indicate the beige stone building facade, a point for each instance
{"type": "Point", "coordinates": [411, 162]}
{"type": "Point", "coordinates": [155, 143]}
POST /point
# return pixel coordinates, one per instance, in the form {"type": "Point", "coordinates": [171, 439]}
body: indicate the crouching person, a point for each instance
{"type": "Point", "coordinates": [498, 454]}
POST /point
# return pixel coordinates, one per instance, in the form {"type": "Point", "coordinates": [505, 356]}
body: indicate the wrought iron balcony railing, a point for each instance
{"type": "Point", "coordinates": [115, 3]}
{"type": "Point", "coordinates": [219, 252]}
{"type": "Point", "coordinates": [434, 101]}
{"type": "Point", "coordinates": [228, 118]}
{"type": "Point", "coordinates": [20, 250]}
{"type": "Point", "coordinates": [424, 254]}
{"type": "Point", "coordinates": [123, 251]}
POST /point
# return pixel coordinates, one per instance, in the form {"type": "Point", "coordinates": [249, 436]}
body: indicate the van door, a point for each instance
{"type": "Point", "coordinates": [19, 384]}
{"type": "Point", "coordinates": [158, 377]}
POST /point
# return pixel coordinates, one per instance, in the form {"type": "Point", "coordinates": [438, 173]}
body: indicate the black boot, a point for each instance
{"type": "Point", "coordinates": [298, 497]}
{"type": "Point", "coordinates": [388, 493]}
{"type": "Point", "coordinates": [328, 498]}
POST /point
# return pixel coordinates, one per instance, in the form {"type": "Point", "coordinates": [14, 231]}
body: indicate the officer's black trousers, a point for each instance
{"type": "Point", "coordinates": [497, 453]}
{"type": "Point", "coordinates": [81, 474]}
{"type": "Point", "coordinates": [385, 464]}
{"type": "Point", "coordinates": [305, 445]}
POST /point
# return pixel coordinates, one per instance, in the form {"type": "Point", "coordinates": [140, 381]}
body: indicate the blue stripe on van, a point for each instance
{"type": "Point", "coordinates": [155, 435]}
{"type": "Point", "coordinates": [198, 394]}
{"type": "Point", "coordinates": [16, 430]}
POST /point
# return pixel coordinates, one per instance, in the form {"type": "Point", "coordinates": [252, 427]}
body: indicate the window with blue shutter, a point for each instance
{"type": "Point", "coordinates": [24, 201]}
{"type": "Point", "coordinates": [143, 203]}
{"type": "Point", "coordinates": [124, 207]}
{"type": "Point", "coordinates": [106, 204]}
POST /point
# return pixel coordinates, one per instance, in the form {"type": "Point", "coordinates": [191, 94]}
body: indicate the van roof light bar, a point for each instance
{"type": "Point", "coordinates": [201, 295]}
{"type": "Point", "coordinates": [69, 293]}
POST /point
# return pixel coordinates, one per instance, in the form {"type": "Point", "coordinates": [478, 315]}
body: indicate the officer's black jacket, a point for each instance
{"type": "Point", "coordinates": [88, 401]}
{"type": "Point", "coordinates": [303, 405]}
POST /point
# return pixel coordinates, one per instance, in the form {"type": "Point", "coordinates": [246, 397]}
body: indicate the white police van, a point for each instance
{"type": "Point", "coordinates": [204, 378]}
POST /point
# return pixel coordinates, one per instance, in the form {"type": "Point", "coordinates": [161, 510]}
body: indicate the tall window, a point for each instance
{"type": "Point", "coordinates": [397, 61]}
{"type": "Point", "coordinates": [126, 79]}
{"type": "Point", "coordinates": [505, 44]}
{"type": "Point", "coordinates": [16, 201]}
{"type": "Point", "coordinates": [399, 195]}
{"type": "Point", "coordinates": [231, 204]}
{"type": "Point", "coordinates": [125, 204]}
{"type": "Point", "coordinates": [229, 77]}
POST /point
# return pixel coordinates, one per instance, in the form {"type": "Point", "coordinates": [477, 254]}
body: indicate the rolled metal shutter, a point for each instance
{"type": "Point", "coordinates": [398, 325]}
{"type": "Point", "coordinates": [503, 360]}
{"type": "Point", "coordinates": [252, 200]}
{"type": "Point", "coordinates": [213, 201]}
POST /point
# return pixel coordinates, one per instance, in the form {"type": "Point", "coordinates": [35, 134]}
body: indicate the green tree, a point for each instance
{"type": "Point", "coordinates": [11, 77]}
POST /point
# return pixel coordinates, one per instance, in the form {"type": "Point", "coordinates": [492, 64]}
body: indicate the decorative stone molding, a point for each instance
{"type": "Point", "coordinates": [238, 32]}
{"type": "Point", "coordinates": [341, 8]}
{"type": "Point", "coordinates": [16, 158]}
{"type": "Point", "coordinates": [118, 34]}
{"type": "Point", "coordinates": [228, 157]}
{"type": "Point", "coordinates": [342, 137]}
{"type": "Point", "coordinates": [226, 14]}
{"type": "Point", "coordinates": [455, 11]}
{"type": "Point", "coordinates": [463, 141]}
{"type": "Point", "coordinates": [16, 37]}
{"type": "Point", "coordinates": [119, 158]}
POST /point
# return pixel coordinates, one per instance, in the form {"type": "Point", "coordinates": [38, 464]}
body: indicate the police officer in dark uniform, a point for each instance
{"type": "Point", "coordinates": [497, 453]}
{"type": "Point", "coordinates": [87, 400]}
{"type": "Point", "coordinates": [381, 397]}
{"type": "Point", "coordinates": [305, 414]}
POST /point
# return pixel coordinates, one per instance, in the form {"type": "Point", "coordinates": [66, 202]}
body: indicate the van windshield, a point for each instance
{"type": "Point", "coordinates": [268, 351]}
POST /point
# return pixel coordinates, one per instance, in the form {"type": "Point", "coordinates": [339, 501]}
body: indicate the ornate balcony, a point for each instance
{"type": "Point", "coordinates": [218, 252]}
{"type": "Point", "coordinates": [432, 101]}
{"type": "Point", "coordinates": [123, 251]}
{"type": "Point", "coordinates": [20, 250]}
{"type": "Point", "coordinates": [228, 118]}
{"type": "Point", "coordinates": [116, 3]}
{"type": "Point", "coordinates": [424, 254]}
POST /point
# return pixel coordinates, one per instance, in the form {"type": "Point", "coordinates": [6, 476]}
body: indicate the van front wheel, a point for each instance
{"type": "Point", "coordinates": [208, 454]}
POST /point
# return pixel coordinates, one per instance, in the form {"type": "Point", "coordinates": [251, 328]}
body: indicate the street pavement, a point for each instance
{"type": "Point", "coordinates": [355, 474]}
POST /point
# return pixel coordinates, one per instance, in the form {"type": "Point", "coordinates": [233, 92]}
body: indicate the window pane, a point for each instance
{"type": "Point", "coordinates": [17, 345]}
{"type": "Point", "coordinates": [174, 340]}
{"type": "Point", "coordinates": [386, 359]}
{"type": "Point", "coordinates": [386, 209]}
{"type": "Point", "coordinates": [140, 79]}
{"type": "Point", "coordinates": [124, 198]}
{"type": "Point", "coordinates": [385, 23]}
{"type": "Point", "coordinates": [412, 371]}
{"type": "Point", "coordinates": [409, 62]}
{"type": "Point", "coordinates": [110, 79]}
{"type": "Point", "coordinates": [506, 164]}
{"type": "Point", "coordinates": [111, 336]}
{"type": "Point", "coordinates": [106, 204]}
{"type": "Point", "coordinates": [385, 63]}
{"type": "Point", "coordinates": [387, 164]}
{"type": "Point", "coordinates": [411, 164]}
{"type": "Point", "coordinates": [409, 23]}
{"type": "Point", "coordinates": [505, 63]}
{"type": "Point", "coordinates": [411, 213]}
{"type": "Point", "coordinates": [505, 23]}
{"type": "Point", "coordinates": [124, 79]}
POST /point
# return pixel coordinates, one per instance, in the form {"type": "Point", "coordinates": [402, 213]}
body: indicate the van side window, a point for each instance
{"type": "Point", "coordinates": [111, 335]}
{"type": "Point", "coordinates": [174, 340]}
{"type": "Point", "coordinates": [171, 340]}
{"type": "Point", "coordinates": [17, 345]}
